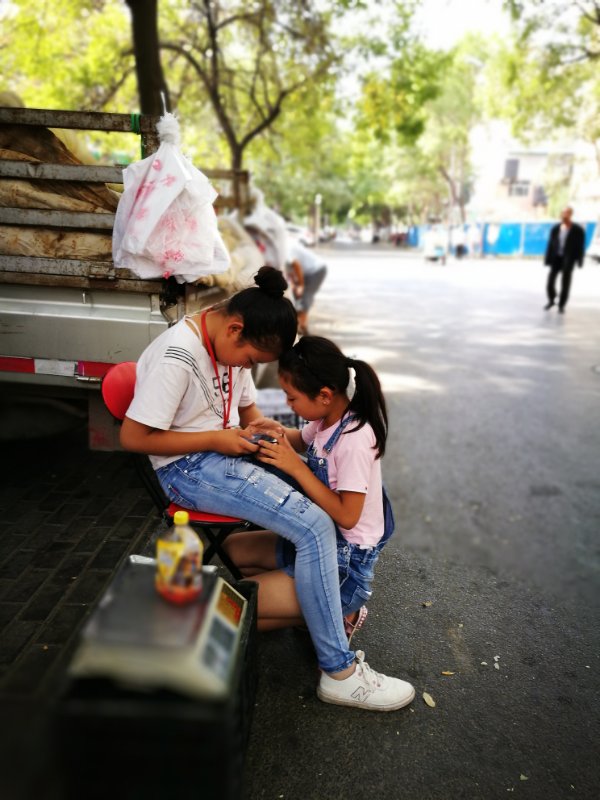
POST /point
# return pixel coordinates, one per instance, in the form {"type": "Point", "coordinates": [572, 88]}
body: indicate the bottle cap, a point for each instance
{"type": "Point", "coordinates": [181, 518]}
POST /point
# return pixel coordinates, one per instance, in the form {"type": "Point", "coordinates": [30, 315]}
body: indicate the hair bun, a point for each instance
{"type": "Point", "coordinates": [271, 281]}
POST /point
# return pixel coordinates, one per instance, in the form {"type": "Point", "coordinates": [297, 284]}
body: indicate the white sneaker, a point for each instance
{"type": "Point", "coordinates": [366, 689]}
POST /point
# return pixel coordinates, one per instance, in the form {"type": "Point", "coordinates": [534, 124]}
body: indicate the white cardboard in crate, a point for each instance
{"type": "Point", "coordinates": [273, 404]}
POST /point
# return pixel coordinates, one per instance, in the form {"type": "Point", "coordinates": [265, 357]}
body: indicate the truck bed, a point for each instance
{"type": "Point", "coordinates": [66, 311]}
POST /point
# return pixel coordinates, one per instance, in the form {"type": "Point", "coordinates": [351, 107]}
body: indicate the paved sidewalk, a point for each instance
{"type": "Point", "coordinates": [68, 519]}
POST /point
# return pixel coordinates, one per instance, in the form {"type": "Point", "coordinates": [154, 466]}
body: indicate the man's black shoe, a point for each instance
{"type": "Point", "coordinates": [561, 309]}
{"type": "Point", "coordinates": [548, 305]}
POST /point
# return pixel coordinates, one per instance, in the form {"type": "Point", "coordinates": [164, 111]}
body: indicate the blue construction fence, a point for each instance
{"type": "Point", "coordinates": [501, 238]}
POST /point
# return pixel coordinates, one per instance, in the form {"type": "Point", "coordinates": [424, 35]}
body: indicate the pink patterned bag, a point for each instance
{"type": "Point", "coordinates": [165, 223]}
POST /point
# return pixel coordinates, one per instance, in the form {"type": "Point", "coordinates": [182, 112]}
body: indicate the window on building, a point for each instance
{"type": "Point", "coordinates": [518, 189]}
{"type": "Point", "coordinates": [511, 170]}
{"type": "Point", "coordinates": [539, 196]}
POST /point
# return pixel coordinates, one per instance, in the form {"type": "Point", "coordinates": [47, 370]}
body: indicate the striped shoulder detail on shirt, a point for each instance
{"type": "Point", "coordinates": [182, 356]}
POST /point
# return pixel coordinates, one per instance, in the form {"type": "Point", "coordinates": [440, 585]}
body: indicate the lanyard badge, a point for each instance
{"type": "Point", "coordinates": [211, 353]}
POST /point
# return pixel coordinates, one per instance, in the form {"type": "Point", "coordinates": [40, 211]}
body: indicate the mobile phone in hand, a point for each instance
{"type": "Point", "coordinates": [257, 438]}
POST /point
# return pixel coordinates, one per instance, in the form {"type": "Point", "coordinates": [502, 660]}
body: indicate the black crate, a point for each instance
{"type": "Point", "coordinates": [123, 743]}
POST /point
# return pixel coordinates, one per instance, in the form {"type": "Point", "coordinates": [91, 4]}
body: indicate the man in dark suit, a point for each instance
{"type": "Point", "coordinates": [566, 247]}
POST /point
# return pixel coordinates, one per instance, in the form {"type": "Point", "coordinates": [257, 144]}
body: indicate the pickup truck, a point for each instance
{"type": "Point", "coordinates": [67, 313]}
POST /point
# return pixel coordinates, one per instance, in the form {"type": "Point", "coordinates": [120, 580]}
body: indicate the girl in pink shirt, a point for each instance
{"type": "Point", "coordinates": [343, 443]}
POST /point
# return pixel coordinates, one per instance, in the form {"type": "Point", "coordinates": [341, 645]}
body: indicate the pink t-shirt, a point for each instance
{"type": "Point", "coordinates": [353, 467]}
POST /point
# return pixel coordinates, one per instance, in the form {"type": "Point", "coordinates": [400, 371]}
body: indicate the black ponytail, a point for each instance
{"type": "Point", "coordinates": [270, 321]}
{"type": "Point", "coordinates": [314, 362]}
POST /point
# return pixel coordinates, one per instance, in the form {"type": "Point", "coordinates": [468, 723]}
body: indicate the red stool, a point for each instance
{"type": "Point", "coordinates": [117, 392]}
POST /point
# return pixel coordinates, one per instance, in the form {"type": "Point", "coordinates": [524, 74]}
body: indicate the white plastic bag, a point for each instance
{"type": "Point", "coordinates": [267, 228]}
{"type": "Point", "coordinates": [165, 223]}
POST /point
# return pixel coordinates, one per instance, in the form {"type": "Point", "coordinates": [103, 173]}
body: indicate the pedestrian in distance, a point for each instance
{"type": "Point", "coordinates": [306, 272]}
{"type": "Point", "coordinates": [194, 398]}
{"type": "Point", "coordinates": [566, 247]}
{"type": "Point", "coordinates": [474, 240]}
{"type": "Point", "coordinates": [458, 239]}
{"type": "Point", "coordinates": [344, 441]}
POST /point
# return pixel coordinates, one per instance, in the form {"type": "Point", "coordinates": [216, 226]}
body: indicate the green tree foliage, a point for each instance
{"type": "Point", "coordinates": [548, 76]}
{"type": "Point", "coordinates": [401, 76]}
{"type": "Point", "coordinates": [230, 65]}
{"type": "Point", "coordinates": [547, 80]}
{"type": "Point", "coordinates": [398, 81]}
{"type": "Point", "coordinates": [421, 126]}
{"type": "Point", "coordinates": [68, 54]}
{"type": "Point", "coordinates": [254, 83]}
{"type": "Point", "coordinates": [304, 153]}
{"type": "Point", "coordinates": [563, 32]}
{"type": "Point", "coordinates": [393, 104]}
{"type": "Point", "coordinates": [348, 145]}
{"type": "Point", "coordinates": [452, 115]}
{"type": "Point", "coordinates": [247, 59]}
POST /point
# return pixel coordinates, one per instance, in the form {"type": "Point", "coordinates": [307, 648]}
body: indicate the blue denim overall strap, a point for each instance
{"type": "Point", "coordinates": [318, 466]}
{"type": "Point", "coordinates": [389, 523]}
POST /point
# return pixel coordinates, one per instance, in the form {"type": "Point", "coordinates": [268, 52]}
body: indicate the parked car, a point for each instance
{"type": "Point", "coordinates": [327, 234]}
{"type": "Point", "coordinates": [435, 244]}
{"type": "Point", "coordinates": [304, 235]}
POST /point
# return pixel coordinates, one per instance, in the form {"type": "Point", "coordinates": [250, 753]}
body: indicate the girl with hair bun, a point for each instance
{"type": "Point", "coordinates": [193, 383]}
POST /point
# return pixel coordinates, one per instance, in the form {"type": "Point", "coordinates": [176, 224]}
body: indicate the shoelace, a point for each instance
{"type": "Point", "coordinates": [370, 676]}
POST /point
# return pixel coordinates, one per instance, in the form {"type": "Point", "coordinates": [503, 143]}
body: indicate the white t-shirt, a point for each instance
{"type": "Point", "coordinates": [176, 387]}
{"type": "Point", "coordinates": [308, 260]}
{"type": "Point", "coordinates": [563, 232]}
{"type": "Point", "coordinates": [353, 467]}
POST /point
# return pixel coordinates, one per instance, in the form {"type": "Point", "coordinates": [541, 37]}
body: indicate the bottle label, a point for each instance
{"type": "Point", "coordinates": [178, 571]}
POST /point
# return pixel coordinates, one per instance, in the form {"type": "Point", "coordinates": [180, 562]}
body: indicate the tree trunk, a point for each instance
{"type": "Point", "coordinates": [454, 197]}
{"type": "Point", "coordinates": [151, 82]}
{"type": "Point", "coordinates": [237, 155]}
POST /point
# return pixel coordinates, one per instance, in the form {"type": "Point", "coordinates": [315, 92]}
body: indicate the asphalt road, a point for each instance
{"type": "Point", "coordinates": [494, 454]}
{"type": "Point", "coordinates": [493, 465]}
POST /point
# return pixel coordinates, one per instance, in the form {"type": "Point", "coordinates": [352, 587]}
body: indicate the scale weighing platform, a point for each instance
{"type": "Point", "coordinates": [159, 697]}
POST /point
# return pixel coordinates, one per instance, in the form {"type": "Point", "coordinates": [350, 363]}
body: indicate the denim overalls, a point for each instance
{"type": "Point", "coordinates": [355, 564]}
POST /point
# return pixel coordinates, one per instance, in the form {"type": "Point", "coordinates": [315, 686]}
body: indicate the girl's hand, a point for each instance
{"type": "Point", "coordinates": [265, 425]}
{"type": "Point", "coordinates": [271, 427]}
{"type": "Point", "coordinates": [281, 455]}
{"type": "Point", "coordinates": [234, 442]}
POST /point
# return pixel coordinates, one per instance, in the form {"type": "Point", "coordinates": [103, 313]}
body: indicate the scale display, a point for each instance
{"type": "Point", "coordinates": [140, 640]}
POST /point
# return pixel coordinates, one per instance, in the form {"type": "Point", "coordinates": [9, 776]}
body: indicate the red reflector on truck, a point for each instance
{"type": "Point", "coordinates": [93, 369]}
{"type": "Point", "coordinates": [11, 364]}
{"type": "Point", "coordinates": [49, 366]}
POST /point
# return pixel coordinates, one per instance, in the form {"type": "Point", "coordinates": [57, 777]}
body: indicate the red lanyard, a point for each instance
{"type": "Point", "coordinates": [211, 353]}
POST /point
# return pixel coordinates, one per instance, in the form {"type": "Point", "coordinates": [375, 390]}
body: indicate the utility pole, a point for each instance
{"type": "Point", "coordinates": [318, 200]}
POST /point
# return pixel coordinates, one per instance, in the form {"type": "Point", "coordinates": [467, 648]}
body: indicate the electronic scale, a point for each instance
{"type": "Point", "coordinates": [138, 639]}
{"type": "Point", "coordinates": [158, 698]}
